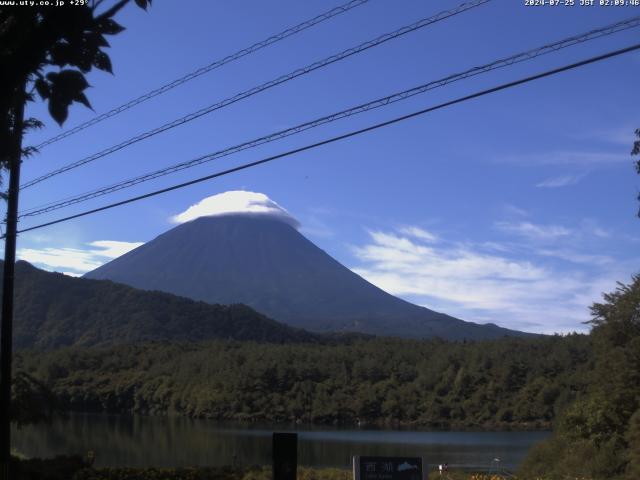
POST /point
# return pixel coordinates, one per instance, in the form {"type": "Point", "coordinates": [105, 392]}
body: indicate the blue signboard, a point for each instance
{"type": "Point", "coordinates": [388, 468]}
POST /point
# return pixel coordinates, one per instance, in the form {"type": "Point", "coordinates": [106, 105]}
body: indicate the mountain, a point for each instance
{"type": "Point", "coordinates": [53, 310]}
{"type": "Point", "coordinates": [264, 262]}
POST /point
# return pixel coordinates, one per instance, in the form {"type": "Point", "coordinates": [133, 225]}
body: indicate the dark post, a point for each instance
{"type": "Point", "coordinates": [285, 456]}
{"type": "Point", "coordinates": [6, 329]}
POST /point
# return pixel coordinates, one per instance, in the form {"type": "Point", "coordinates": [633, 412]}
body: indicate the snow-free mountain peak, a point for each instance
{"type": "Point", "coordinates": [259, 258]}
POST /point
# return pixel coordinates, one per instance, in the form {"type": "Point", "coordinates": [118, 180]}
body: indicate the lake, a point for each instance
{"type": "Point", "coordinates": [177, 442]}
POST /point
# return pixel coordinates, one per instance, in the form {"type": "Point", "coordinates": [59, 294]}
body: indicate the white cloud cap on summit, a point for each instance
{"type": "Point", "coordinates": [236, 202]}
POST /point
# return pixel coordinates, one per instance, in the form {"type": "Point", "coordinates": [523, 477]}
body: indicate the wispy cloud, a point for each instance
{"type": "Point", "coordinates": [60, 258]}
{"type": "Point", "coordinates": [113, 248]}
{"type": "Point", "coordinates": [76, 261]}
{"type": "Point", "coordinates": [561, 181]}
{"type": "Point", "coordinates": [587, 158]}
{"type": "Point", "coordinates": [72, 274]}
{"type": "Point", "coordinates": [315, 227]}
{"type": "Point", "coordinates": [515, 211]}
{"type": "Point", "coordinates": [534, 231]}
{"type": "Point", "coordinates": [591, 227]}
{"type": "Point", "coordinates": [622, 136]}
{"type": "Point", "coordinates": [419, 233]}
{"type": "Point", "coordinates": [500, 286]}
{"type": "Point", "coordinates": [575, 257]}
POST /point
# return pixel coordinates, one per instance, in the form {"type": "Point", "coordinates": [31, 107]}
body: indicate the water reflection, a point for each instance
{"type": "Point", "coordinates": [174, 442]}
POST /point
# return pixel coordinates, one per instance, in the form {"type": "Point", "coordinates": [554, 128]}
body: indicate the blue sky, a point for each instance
{"type": "Point", "coordinates": [516, 208]}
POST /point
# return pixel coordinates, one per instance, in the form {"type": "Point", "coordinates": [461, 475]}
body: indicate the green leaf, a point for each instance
{"type": "Point", "coordinates": [103, 62]}
{"type": "Point", "coordinates": [58, 111]}
{"type": "Point", "coordinates": [85, 60]}
{"type": "Point", "coordinates": [71, 81]}
{"type": "Point", "coordinates": [97, 39]}
{"type": "Point", "coordinates": [61, 54]}
{"type": "Point", "coordinates": [33, 123]}
{"type": "Point", "coordinates": [43, 88]}
{"type": "Point", "coordinates": [67, 87]}
{"type": "Point", "coordinates": [82, 98]}
{"type": "Point", "coordinates": [110, 27]}
{"type": "Point", "coordinates": [142, 4]}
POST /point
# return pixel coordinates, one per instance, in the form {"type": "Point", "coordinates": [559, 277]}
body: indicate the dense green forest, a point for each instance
{"type": "Point", "coordinates": [508, 382]}
{"type": "Point", "coordinates": [587, 386]}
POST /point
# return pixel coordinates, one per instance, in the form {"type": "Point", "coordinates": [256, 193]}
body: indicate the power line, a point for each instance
{"type": "Point", "coordinates": [354, 133]}
{"type": "Point", "coordinates": [260, 88]}
{"type": "Point", "coordinates": [207, 68]}
{"type": "Point", "coordinates": [380, 102]}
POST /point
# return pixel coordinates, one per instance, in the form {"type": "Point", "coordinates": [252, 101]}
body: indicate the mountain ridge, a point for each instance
{"type": "Point", "coordinates": [267, 264]}
{"type": "Point", "coordinates": [53, 310]}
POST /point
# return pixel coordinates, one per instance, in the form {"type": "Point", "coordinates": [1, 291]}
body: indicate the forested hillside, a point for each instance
{"type": "Point", "coordinates": [508, 382]}
{"type": "Point", "coordinates": [54, 310]}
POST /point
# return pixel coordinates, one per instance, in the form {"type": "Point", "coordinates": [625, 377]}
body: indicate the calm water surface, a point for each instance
{"type": "Point", "coordinates": [178, 442]}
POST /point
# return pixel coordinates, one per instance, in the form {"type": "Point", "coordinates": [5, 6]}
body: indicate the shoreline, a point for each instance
{"type": "Point", "coordinates": [383, 424]}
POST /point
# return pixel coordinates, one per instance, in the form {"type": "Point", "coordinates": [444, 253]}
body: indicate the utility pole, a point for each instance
{"type": "Point", "coordinates": [6, 329]}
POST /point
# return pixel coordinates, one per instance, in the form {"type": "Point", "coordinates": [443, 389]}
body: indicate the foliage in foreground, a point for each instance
{"type": "Point", "coordinates": [74, 468]}
{"type": "Point", "coordinates": [49, 50]}
{"type": "Point", "coordinates": [599, 435]}
{"type": "Point", "coordinates": [508, 382]}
